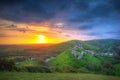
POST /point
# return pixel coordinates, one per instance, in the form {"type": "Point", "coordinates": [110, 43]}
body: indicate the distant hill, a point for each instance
{"type": "Point", "coordinates": [85, 56]}
{"type": "Point", "coordinates": [104, 44]}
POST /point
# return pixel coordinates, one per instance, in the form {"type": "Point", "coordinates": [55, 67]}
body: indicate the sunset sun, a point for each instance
{"type": "Point", "coordinates": [41, 39]}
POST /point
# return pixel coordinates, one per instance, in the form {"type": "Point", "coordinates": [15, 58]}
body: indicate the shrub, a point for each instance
{"type": "Point", "coordinates": [42, 69]}
{"type": "Point", "coordinates": [7, 65]}
{"type": "Point", "coordinates": [83, 70]}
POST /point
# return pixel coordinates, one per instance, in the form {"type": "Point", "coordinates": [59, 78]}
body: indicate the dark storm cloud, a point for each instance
{"type": "Point", "coordinates": [39, 10]}
{"type": "Point", "coordinates": [116, 4]}
{"type": "Point", "coordinates": [90, 9]}
{"type": "Point", "coordinates": [30, 10]}
{"type": "Point", "coordinates": [92, 15]}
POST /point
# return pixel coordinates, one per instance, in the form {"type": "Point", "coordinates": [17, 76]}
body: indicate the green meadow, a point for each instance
{"type": "Point", "coordinates": [54, 76]}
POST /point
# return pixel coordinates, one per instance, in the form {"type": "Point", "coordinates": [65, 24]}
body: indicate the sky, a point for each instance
{"type": "Point", "coordinates": [55, 21]}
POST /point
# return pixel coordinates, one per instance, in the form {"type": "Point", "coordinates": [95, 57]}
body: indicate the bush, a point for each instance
{"type": "Point", "coordinates": [83, 70]}
{"type": "Point", "coordinates": [7, 65]}
{"type": "Point", "coordinates": [42, 69]}
{"type": "Point", "coordinates": [108, 68]}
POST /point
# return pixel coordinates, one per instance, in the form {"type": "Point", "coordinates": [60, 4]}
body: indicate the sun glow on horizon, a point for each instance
{"type": "Point", "coordinates": [41, 39]}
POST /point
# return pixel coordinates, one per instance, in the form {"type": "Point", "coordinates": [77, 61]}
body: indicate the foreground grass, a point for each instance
{"type": "Point", "coordinates": [53, 76]}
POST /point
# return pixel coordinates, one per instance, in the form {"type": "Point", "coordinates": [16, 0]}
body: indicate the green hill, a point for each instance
{"type": "Point", "coordinates": [66, 59]}
{"type": "Point", "coordinates": [104, 44]}
{"type": "Point", "coordinates": [82, 57]}
{"type": "Point", "coordinates": [96, 45]}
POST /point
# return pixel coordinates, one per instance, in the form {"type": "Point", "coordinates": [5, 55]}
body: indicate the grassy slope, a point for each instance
{"type": "Point", "coordinates": [63, 59]}
{"type": "Point", "coordinates": [54, 76]}
{"type": "Point", "coordinates": [67, 59]}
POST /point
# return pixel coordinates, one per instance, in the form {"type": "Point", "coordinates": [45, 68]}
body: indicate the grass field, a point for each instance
{"type": "Point", "coordinates": [54, 76]}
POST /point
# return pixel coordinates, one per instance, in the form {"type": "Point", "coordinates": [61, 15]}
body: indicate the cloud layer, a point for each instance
{"type": "Point", "coordinates": [98, 18]}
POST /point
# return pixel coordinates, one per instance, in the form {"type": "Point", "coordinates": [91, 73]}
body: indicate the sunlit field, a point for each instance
{"type": "Point", "coordinates": [54, 76]}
